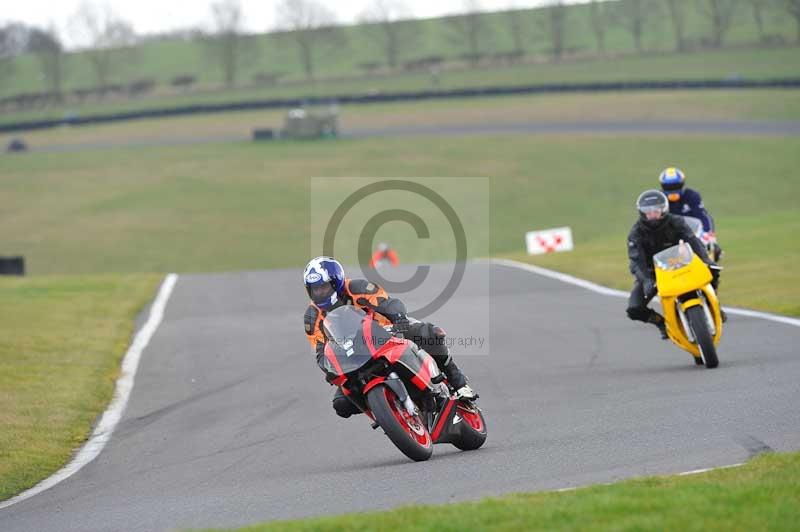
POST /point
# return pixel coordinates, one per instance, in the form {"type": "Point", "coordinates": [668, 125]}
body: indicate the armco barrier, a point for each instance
{"type": "Point", "coordinates": [472, 92]}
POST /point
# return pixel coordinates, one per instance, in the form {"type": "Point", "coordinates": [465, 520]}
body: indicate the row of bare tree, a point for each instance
{"type": "Point", "coordinates": [111, 43]}
{"type": "Point", "coordinates": [312, 28]}
{"type": "Point", "coordinates": [390, 25]}
{"type": "Point", "coordinates": [635, 17]}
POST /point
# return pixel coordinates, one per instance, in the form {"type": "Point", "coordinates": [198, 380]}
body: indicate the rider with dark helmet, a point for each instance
{"type": "Point", "coordinates": [654, 231]}
{"type": "Point", "coordinates": [328, 288]}
{"type": "Point", "coordinates": [688, 202]}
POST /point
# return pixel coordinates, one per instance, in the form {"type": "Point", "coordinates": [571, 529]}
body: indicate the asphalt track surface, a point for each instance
{"type": "Point", "coordinates": [230, 421]}
{"type": "Point", "coordinates": [684, 127]}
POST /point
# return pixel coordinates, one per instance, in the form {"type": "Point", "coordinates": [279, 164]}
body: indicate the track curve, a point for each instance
{"type": "Point", "coordinates": [230, 421]}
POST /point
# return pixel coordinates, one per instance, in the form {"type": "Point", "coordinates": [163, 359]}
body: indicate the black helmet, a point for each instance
{"type": "Point", "coordinates": [653, 207]}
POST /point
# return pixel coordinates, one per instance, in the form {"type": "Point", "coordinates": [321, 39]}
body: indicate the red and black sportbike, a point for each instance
{"type": "Point", "coordinates": [398, 385]}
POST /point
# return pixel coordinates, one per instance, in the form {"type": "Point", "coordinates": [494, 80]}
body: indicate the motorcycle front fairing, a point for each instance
{"type": "Point", "coordinates": [356, 340]}
{"type": "Point", "coordinates": [679, 270]}
{"type": "Point", "coordinates": [418, 367]}
{"type": "Point", "coordinates": [415, 363]}
{"type": "Point", "coordinates": [683, 281]}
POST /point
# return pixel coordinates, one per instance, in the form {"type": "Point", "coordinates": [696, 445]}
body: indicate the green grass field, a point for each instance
{"type": "Point", "coordinates": [762, 495]}
{"type": "Point", "coordinates": [229, 207]}
{"type": "Point", "coordinates": [94, 225]}
{"type": "Point", "coordinates": [61, 344]}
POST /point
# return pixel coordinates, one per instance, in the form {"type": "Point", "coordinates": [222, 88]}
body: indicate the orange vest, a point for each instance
{"type": "Point", "coordinates": [366, 298]}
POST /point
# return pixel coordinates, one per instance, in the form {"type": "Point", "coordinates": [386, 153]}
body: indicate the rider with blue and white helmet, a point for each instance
{"type": "Point", "coordinates": [688, 202]}
{"type": "Point", "coordinates": [324, 281]}
{"type": "Point", "coordinates": [328, 288]}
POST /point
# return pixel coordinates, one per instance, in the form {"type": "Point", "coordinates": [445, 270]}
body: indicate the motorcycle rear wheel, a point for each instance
{"type": "Point", "coordinates": [409, 434]}
{"type": "Point", "coordinates": [473, 427]}
{"type": "Point", "coordinates": [697, 321]}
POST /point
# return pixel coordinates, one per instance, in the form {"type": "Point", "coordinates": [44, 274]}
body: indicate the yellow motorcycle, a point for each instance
{"type": "Point", "coordinates": [690, 305]}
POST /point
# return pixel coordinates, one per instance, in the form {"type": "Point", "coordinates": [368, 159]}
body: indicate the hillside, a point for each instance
{"type": "Point", "coordinates": [276, 54]}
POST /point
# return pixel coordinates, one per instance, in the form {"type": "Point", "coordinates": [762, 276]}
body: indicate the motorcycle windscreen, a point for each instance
{"type": "Point", "coordinates": [353, 337]}
{"type": "Point", "coordinates": [673, 258]}
{"type": "Point", "coordinates": [695, 225]}
{"type": "Point", "coordinates": [679, 270]}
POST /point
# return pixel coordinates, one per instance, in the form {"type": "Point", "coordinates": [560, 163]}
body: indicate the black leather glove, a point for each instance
{"type": "Point", "coordinates": [650, 289]}
{"type": "Point", "coordinates": [400, 323]}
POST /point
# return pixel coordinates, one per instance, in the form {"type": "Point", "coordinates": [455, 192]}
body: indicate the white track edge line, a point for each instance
{"type": "Point", "coordinates": [111, 417]}
{"type": "Point", "coordinates": [130, 363]}
{"type": "Point", "coordinates": [685, 473]}
{"type": "Point", "coordinates": [594, 287]}
{"type": "Point", "coordinates": [706, 470]}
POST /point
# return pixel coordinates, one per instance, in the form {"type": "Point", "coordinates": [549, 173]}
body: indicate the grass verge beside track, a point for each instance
{"type": "Point", "coordinates": [762, 495]}
{"type": "Point", "coordinates": [759, 265]}
{"type": "Point", "coordinates": [60, 349]}
{"type": "Point", "coordinates": [232, 206]}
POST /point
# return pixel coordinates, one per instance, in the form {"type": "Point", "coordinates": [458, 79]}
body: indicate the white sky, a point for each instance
{"type": "Point", "coordinates": [150, 16]}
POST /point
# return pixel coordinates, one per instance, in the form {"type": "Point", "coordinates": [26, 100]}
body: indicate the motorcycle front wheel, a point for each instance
{"type": "Point", "coordinates": [697, 321]}
{"type": "Point", "coordinates": [407, 432]}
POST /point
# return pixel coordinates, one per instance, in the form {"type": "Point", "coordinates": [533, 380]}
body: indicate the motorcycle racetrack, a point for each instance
{"type": "Point", "coordinates": [230, 422]}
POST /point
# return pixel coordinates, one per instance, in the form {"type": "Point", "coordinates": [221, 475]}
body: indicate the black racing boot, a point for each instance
{"type": "Point", "coordinates": [343, 406]}
{"type": "Point", "coordinates": [658, 320]}
{"type": "Point", "coordinates": [722, 315]}
{"type": "Point", "coordinates": [454, 375]}
{"type": "Point", "coordinates": [458, 381]}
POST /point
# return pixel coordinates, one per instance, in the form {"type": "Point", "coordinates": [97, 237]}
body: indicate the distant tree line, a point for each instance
{"type": "Point", "coordinates": [111, 48]}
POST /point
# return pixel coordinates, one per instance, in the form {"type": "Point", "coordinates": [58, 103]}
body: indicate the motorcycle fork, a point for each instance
{"type": "Point", "coordinates": [701, 296]}
{"type": "Point", "coordinates": [396, 385]}
{"type": "Point", "coordinates": [684, 322]}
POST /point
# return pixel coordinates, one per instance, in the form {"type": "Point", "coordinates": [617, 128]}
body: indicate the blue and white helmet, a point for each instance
{"type": "Point", "coordinates": [672, 180]}
{"type": "Point", "coordinates": [324, 280]}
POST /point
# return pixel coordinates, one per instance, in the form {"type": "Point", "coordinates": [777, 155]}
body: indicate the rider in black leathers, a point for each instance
{"type": "Point", "coordinates": [654, 231]}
